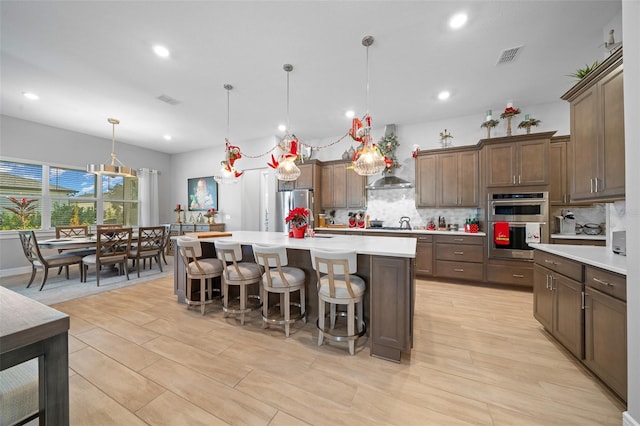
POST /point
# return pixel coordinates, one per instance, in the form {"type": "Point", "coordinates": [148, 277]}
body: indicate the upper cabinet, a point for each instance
{"type": "Point", "coordinates": [558, 173]}
{"type": "Point", "coordinates": [596, 154]}
{"type": "Point", "coordinates": [517, 160]}
{"type": "Point", "coordinates": [309, 177]}
{"type": "Point", "coordinates": [447, 178]}
{"type": "Point", "coordinates": [341, 188]}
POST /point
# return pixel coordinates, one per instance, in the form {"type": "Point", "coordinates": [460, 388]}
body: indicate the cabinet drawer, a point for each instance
{"type": "Point", "coordinates": [425, 239]}
{"type": "Point", "coordinates": [607, 282]}
{"type": "Point", "coordinates": [460, 270]}
{"type": "Point", "coordinates": [459, 239]}
{"type": "Point", "coordinates": [460, 253]}
{"type": "Point", "coordinates": [561, 265]}
{"type": "Point", "coordinates": [503, 274]}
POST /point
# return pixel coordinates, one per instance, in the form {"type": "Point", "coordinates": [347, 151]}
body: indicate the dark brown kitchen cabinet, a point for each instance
{"type": "Point", "coordinates": [426, 181]}
{"type": "Point", "coordinates": [341, 187]}
{"type": "Point", "coordinates": [558, 299]}
{"type": "Point", "coordinates": [460, 257]}
{"type": "Point", "coordinates": [606, 327]}
{"type": "Point", "coordinates": [448, 178]}
{"type": "Point", "coordinates": [558, 173]}
{"type": "Point", "coordinates": [457, 178]}
{"type": "Point", "coordinates": [424, 255]}
{"type": "Point", "coordinates": [510, 272]}
{"type": "Point", "coordinates": [596, 156]}
{"type": "Point", "coordinates": [517, 160]}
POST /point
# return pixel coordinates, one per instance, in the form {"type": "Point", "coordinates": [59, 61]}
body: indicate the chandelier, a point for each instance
{"type": "Point", "coordinates": [115, 167]}
{"type": "Point", "coordinates": [228, 173]}
{"type": "Point", "coordinates": [285, 167]}
{"type": "Point", "coordinates": [368, 160]}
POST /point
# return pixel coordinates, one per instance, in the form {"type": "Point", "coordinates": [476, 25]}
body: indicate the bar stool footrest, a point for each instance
{"type": "Point", "coordinates": [298, 317]}
{"type": "Point", "coordinates": [329, 333]}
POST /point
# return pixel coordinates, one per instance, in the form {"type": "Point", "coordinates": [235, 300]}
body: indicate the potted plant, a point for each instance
{"type": "Point", "coordinates": [209, 214]}
{"type": "Point", "coordinates": [298, 220]}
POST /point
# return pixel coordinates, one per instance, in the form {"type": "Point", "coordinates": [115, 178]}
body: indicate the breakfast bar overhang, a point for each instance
{"type": "Point", "coordinates": [386, 264]}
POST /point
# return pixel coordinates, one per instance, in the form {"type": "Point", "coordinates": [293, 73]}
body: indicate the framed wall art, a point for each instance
{"type": "Point", "coordinates": [203, 193]}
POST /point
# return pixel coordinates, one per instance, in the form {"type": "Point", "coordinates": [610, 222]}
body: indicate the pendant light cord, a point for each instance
{"type": "Point", "coordinates": [367, 55]}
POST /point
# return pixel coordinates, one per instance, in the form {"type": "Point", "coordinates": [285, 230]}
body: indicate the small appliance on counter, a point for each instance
{"type": "Point", "coordinates": [566, 223]}
{"type": "Point", "coordinates": [619, 242]}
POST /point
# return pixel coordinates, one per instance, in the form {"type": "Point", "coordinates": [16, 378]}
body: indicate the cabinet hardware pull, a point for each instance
{"type": "Point", "coordinates": [602, 282]}
{"type": "Point", "coordinates": [458, 252]}
{"type": "Point", "coordinates": [514, 179]}
{"type": "Point", "coordinates": [548, 261]}
{"type": "Point", "coordinates": [548, 282]}
{"type": "Point", "coordinates": [519, 179]}
{"type": "Point", "coordinates": [582, 307]}
{"type": "Point", "coordinates": [518, 276]}
{"type": "Point", "coordinates": [591, 181]}
{"type": "Point", "coordinates": [458, 270]}
{"type": "Point", "coordinates": [458, 239]}
{"type": "Point", "coordinates": [596, 179]}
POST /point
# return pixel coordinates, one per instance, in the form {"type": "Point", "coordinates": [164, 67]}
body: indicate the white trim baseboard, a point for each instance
{"type": "Point", "coordinates": [627, 420]}
{"type": "Point", "coordinates": [14, 271]}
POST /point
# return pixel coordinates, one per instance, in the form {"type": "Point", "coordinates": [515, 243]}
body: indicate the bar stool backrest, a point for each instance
{"type": "Point", "coordinates": [191, 246]}
{"type": "Point", "coordinates": [228, 251]}
{"type": "Point", "coordinates": [270, 256]}
{"type": "Point", "coordinates": [320, 261]}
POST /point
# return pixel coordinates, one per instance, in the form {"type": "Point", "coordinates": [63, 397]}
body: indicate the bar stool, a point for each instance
{"type": "Point", "coordinates": [338, 286]}
{"type": "Point", "coordinates": [237, 273]}
{"type": "Point", "coordinates": [204, 270]}
{"type": "Point", "coordinates": [282, 279]}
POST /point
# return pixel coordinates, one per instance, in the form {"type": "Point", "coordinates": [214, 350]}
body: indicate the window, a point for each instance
{"type": "Point", "coordinates": [73, 197]}
{"type": "Point", "coordinates": [68, 197]}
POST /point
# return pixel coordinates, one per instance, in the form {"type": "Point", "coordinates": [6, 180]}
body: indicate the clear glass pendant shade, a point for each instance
{"type": "Point", "coordinates": [226, 177]}
{"type": "Point", "coordinates": [287, 170]}
{"type": "Point", "coordinates": [369, 162]}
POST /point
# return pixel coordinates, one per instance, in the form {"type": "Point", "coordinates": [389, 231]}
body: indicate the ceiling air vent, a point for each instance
{"type": "Point", "coordinates": [508, 55]}
{"type": "Point", "coordinates": [168, 99]}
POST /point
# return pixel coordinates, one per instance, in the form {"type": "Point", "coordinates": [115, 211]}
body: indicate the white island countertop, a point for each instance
{"type": "Point", "coordinates": [362, 244]}
{"type": "Point", "coordinates": [600, 257]}
{"type": "Point", "coordinates": [579, 237]}
{"type": "Point", "coordinates": [404, 231]}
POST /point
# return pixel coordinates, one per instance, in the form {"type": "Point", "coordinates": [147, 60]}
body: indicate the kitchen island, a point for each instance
{"type": "Point", "coordinates": [386, 264]}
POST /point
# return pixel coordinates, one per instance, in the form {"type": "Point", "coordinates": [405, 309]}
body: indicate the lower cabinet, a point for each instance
{"type": "Point", "coordinates": [557, 305]}
{"type": "Point", "coordinates": [585, 309]}
{"type": "Point", "coordinates": [424, 255]}
{"type": "Point", "coordinates": [606, 328]}
{"type": "Point", "coordinates": [511, 272]}
{"type": "Point", "coordinates": [459, 257]}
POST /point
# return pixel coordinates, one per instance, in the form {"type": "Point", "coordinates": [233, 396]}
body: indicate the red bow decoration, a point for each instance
{"type": "Point", "coordinates": [291, 154]}
{"type": "Point", "coordinates": [232, 153]}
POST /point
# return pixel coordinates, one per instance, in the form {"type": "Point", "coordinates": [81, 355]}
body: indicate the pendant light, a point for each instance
{"type": "Point", "coordinates": [116, 167]}
{"type": "Point", "coordinates": [228, 173]}
{"type": "Point", "coordinates": [368, 160]}
{"type": "Point", "coordinates": [286, 169]}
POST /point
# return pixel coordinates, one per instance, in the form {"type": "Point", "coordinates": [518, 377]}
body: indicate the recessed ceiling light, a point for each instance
{"type": "Point", "coordinates": [161, 51]}
{"type": "Point", "coordinates": [444, 95]}
{"type": "Point", "coordinates": [350, 114]}
{"type": "Point", "coordinates": [282, 127]}
{"type": "Point", "coordinates": [167, 137]}
{"type": "Point", "coordinates": [458, 20]}
{"type": "Point", "coordinates": [31, 96]}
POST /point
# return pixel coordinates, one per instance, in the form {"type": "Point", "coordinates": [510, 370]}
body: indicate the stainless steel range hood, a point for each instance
{"type": "Point", "coordinates": [390, 182]}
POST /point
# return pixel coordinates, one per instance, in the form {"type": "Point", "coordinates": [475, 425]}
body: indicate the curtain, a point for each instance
{"type": "Point", "coordinates": [148, 212]}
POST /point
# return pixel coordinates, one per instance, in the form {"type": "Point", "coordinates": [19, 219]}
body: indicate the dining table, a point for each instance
{"type": "Point", "coordinates": [75, 243]}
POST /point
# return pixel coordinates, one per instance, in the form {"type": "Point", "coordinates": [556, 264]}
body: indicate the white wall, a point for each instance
{"type": "Point", "coordinates": [29, 141]}
{"type": "Point", "coordinates": [631, 39]}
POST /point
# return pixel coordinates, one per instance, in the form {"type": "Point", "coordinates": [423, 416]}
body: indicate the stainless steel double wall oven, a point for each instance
{"type": "Point", "coordinates": [516, 209]}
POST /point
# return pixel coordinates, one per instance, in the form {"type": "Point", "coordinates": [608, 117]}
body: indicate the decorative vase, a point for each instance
{"type": "Point", "coordinates": [488, 132]}
{"type": "Point", "coordinates": [299, 232]}
{"type": "Point", "coordinates": [508, 126]}
{"type": "Point", "coordinates": [528, 129]}
{"type": "Point", "coordinates": [179, 220]}
{"type": "Point", "coordinates": [211, 220]}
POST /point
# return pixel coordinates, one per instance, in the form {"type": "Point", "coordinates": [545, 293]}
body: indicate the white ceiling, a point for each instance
{"type": "Point", "coordinates": [91, 60]}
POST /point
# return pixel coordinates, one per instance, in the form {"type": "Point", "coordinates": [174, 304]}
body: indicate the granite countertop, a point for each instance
{"type": "Point", "coordinates": [600, 257]}
{"type": "Point", "coordinates": [579, 237]}
{"type": "Point", "coordinates": [404, 231]}
{"type": "Point", "coordinates": [362, 244]}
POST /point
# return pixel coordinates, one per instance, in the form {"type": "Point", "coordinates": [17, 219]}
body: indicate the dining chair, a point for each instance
{"type": "Point", "coordinates": [204, 270]}
{"type": "Point", "coordinates": [112, 248]}
{"type": "Point", "coordinates": [73, 231]}
{"type": "Point", "coordinates": [32, 252]}
{"type": "Point", "coordinates": [167, 241]}
{"type": "Point", "coordinates": [149, 246]}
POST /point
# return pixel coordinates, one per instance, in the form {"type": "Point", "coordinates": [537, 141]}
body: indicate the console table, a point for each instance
{"type": "Point", "coordinates": [182, 228]}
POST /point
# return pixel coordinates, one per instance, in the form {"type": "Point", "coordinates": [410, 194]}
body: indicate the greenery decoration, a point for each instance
{"type": "Point", "coordinates": [509, 112]}
{"type": "Point", "coordinates": [582, 72]}
{"type": "Point", "coordinates": [24, 209]}
{"type": "Point", "coordinates": [388, 145]}
{"type": "Point", "coordinates": [490, 123]}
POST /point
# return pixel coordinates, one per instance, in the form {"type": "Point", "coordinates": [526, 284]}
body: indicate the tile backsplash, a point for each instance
{"type": "Point", "coordinates": [389, 205]}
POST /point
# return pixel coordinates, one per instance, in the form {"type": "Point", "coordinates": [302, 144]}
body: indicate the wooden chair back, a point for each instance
{"type": "Point", "coordinates": [30, 247]}
{"type": "Point", "coordinates": [114, 243]}
{"type": "Point", "coordinates": [150, 239]}
{"type": "Point", "coordinates": [72, 231]}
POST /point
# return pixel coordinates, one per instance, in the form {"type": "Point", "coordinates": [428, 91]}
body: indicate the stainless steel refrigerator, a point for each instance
{"type": "Point", "coordinates": [287, 200]}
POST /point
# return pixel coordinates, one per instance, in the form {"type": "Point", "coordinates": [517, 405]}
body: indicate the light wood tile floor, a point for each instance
{"type": "Point", "coordinates": [479, 357]}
